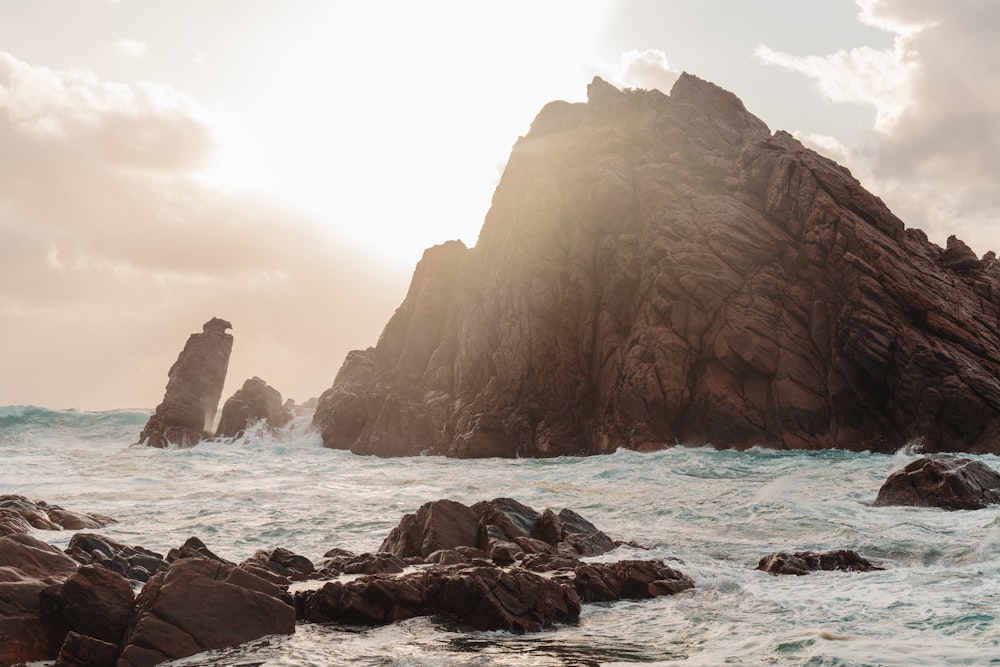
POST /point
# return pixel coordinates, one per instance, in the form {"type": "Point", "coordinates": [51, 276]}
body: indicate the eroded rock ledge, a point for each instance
{"type": "Point", "coordinates": [663, 269]}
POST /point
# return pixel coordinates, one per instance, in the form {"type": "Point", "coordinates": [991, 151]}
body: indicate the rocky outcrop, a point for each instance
{"type": "Point", "coordinates": [503, 529]}
{"type": "Point", "coordinates": [256, 401]}
{"type": "Point", "coordinates": [187, 414]}
{"type": "Point", "coordinates": [19, 515]}
{"type": "Point", "coordinates": [950, 482]}
{"type": "Point", "coordinates": [200, 604]}
{"type": "Point", "coordinates": [663, 269]}
{"type": "Point", "coordinates": [804, 562]}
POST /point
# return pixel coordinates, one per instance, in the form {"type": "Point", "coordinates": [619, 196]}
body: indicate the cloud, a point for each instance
{"type": "Point", "coordinates": [647, 69]}
{"type": "Point", "coordinates": [881, 78]}
{"type": "Point", "coordinates": [934, 156]}
{"type": "Point", "coordinates": [112, 251]}
{"type": "Point", "coordinates": [132, 48]}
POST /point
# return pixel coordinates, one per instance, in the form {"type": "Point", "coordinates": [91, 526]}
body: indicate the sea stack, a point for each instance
{"type": "Point", "coordinates": [659, 269]}
{"type": "Point", "coordinates": [187, 413]}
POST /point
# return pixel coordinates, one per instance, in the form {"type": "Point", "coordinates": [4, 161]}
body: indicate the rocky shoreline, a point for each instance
{"type": "Point", "coordinates": [495, 565]}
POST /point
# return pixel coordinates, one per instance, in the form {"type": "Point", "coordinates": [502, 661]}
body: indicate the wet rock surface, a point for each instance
{"type": "Point", "coordinates": [255, 402]}
{"type": "Point", "coordinates": [187, 413]}
{"type": "Point", "coordinates": [657, 269]}
{"type": "Point", "coordinates": [19, 515]}
{"type": "Point", "coordinates": [950, 482]}
{"type": "Point", "coordinates": [804, 562]}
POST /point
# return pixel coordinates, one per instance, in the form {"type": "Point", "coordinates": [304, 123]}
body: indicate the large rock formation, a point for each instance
{"type": "Point", "coordinates": [187, 413]}
{"type": "Point", "coordinates": [256, 401]}
{"type": "Point", "coordinates": [662, 269]}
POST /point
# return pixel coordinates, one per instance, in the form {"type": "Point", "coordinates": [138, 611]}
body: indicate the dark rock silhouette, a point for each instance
{"type": "Point", "coordinates": [950, 482]}
{"type": "Point", "coordinates": [187, 414]}
{"type": "Point", "coordinates": [256, 401]}
{"type": "Point", "coordinates": [804, 562]}
{"type": "Point", "coordinates": [662, 269]}
{"type": "Point", "coordinates": [503, 529]}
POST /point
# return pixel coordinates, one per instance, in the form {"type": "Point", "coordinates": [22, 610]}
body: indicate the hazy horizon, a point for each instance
{"type": "Point", "coordinates": [284, 165]}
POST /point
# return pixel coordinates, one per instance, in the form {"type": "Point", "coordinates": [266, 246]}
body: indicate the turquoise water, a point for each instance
{"type": "Point", "coordinates": [717, 512]}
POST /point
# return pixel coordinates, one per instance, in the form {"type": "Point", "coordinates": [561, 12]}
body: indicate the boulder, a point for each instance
{"type": "Point", "coordinates": [97, 603]}
{"type": "Point", "coordinates": [35, 558]}
{"type": "Point", "coordinates": [186, 415]}
{"type": "Point", "coordinates": [441, 524]}
{"type": "Point", "coordinates": [492, 598]}
{"type": "Point", "coordinates": [369, 600]}
{"type": "Point", "coordinates": [659, 269]}
{"type": "Point", "coordinates": [19, 515]}
{"type": "Point", "coordinates": [804, 562]}
{"type": "Point", "coordinates": [279, 566]}
{"type": "Point", "coordinates": [256, 401]}
{"type": "Point", "coordinates": [950, 482]}
{"type": "Point", "coordinates": [200, 604]}
{"type": "Point", "coordinates": [502, 529]}
{"type": "Point", "coordinates": [627, 579]}
{"type": "Point", "coordinates": [135, 563]}
{"type": "Point", "coordinates": [84, 651]}
{"type": "Point", "coordinates": [31, 625]}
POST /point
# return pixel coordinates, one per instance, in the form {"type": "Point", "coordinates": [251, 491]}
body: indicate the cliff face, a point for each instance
{"type": "Point", "coordinates": [662, 269]}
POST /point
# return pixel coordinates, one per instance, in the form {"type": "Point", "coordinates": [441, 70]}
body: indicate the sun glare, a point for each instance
{"type": "Point", "coordinates": [402, 148]}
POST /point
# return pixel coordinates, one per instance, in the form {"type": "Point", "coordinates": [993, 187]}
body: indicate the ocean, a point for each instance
{"type": "Point", "coordinates": [713, 514]}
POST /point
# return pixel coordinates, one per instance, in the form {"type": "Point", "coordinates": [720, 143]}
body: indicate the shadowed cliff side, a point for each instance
{"type": "Point", "coordinates": [662, 269]}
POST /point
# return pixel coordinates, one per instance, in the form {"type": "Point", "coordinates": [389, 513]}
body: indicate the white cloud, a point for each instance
{"type": "Point", "coordinates": [881, 78]}
{"type": "Point", "coordinates": [647, 69]}
{"type": "Point", "coordinates": [111, 252]}
{"type": "Point", "coordinates": [935, 155]}
{"type": "Point", "coordinates": [132, 48]}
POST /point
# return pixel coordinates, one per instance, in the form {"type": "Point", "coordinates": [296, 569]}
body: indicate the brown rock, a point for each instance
{"type": "Point", "coordinates": [371, 600]}
{"type": "Point", "coordinates": [97, 603]}
{"type": "Point", "coordinates": [628, 579]}
{"type": "Point", "coordinates": [950, 482]}
{"type": "Point", "coordinates": [490, 598]}
{"type": "Point", "coordinates": [658, 269]}
{"type": "Point", "coordinates": [19, 515]}
{"type": "Point", "coordinates": [256, 401]}
{"type": "Point", "coordinates": [503, 529]}
{"type": "Point", "coordinates": [83, 651]}
{"type": "Point", "coordinates": [804, 562]}
{"type": "Point", "coordinates": [187, 413]}
{"type": "Point", "coordinates": [200, 604]}
{"type": "Point", "coordinates": [32, 571]}
{"type": "Point", "coordinates": [35, 558]}
{"type": "Point", "coordinates": [442, 524]}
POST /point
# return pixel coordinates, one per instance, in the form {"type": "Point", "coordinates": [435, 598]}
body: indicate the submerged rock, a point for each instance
{"type": "Point", "coordinates": [256, 401]}
{"type": "Point", "coordinates": [187, 413]}
{"type": "Point", "coordinates": [804, 562]}
{"type": "Point", "coordinates": [661, 268]}
{"type": "Point", "coordinates": [950, 482]}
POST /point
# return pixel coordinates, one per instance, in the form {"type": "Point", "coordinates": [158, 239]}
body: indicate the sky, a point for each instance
{"type": "Point", "coordinates": [282, 164]}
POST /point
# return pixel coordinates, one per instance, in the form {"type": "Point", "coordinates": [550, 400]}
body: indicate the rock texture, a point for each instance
{"type": "Point", "coordinates": [200, 604]}
{"type": "Point", "coordinates": [502, 529]}
{"type": "Point", "coordinates": [187, 414]}
{"type": "Point", "coordinates": [19, 515]}
{"type": "Point", "coordinates": [804, 562]}
{"type": "Point", "coordinates": [663, 269]}
{"type": "Point", "coordinates": [950, 482]}
{"type": "Point", "coordinates": [256, 401]}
